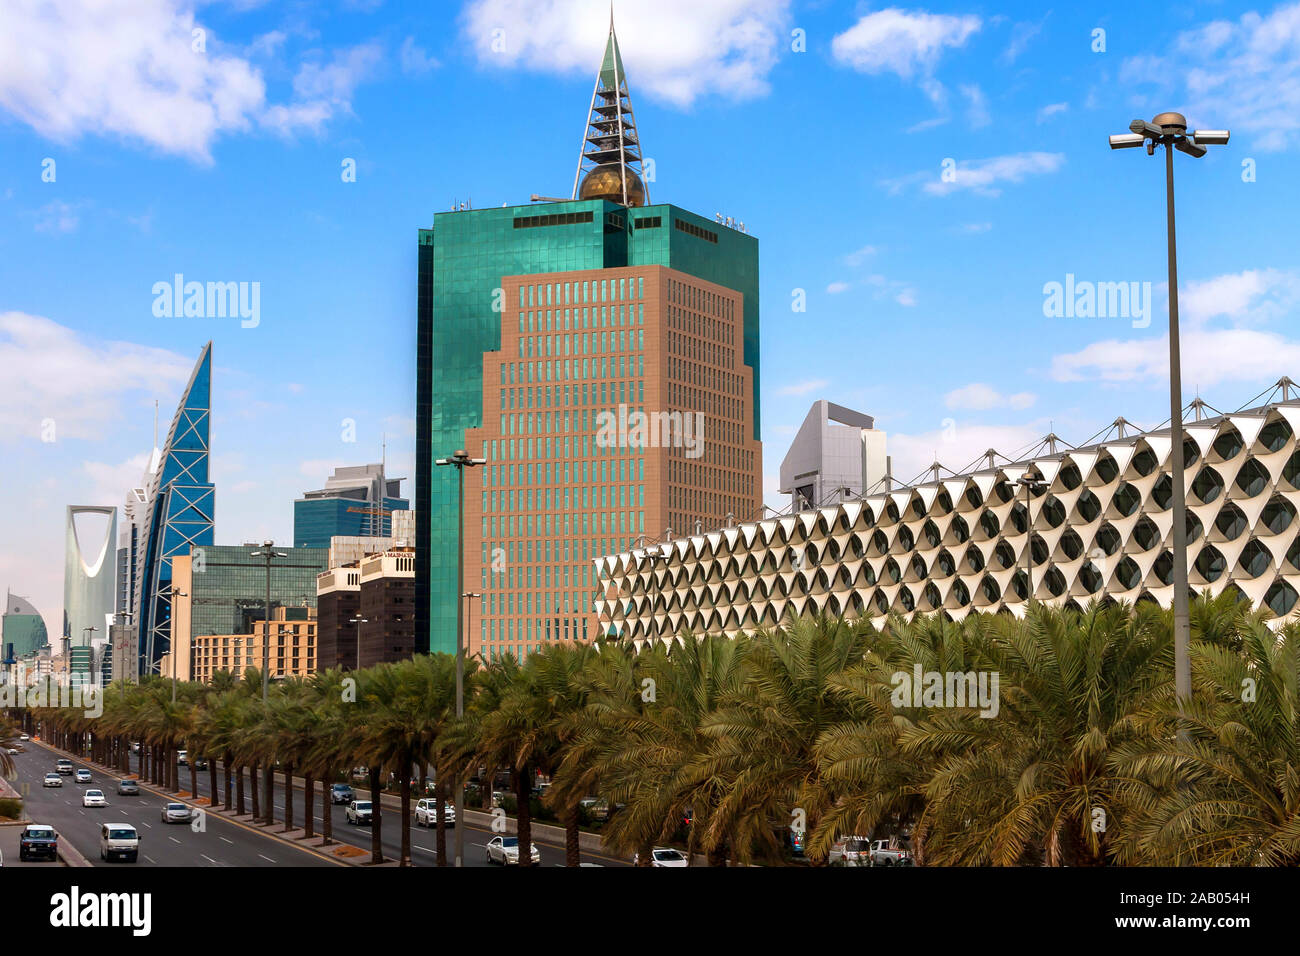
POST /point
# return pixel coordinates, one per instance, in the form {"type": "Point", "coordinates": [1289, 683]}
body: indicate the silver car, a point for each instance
{"type": "Point", "coordinates": [505, 850]}
{"type": "Point", "coordinates": [175, 813]}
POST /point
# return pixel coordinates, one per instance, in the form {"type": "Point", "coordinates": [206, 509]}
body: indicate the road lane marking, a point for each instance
{"type": "Point", "coordinates": [266, 858]}
{"type": "Point", "coordinates": [209, 859]}
{"type": "Point", "coordinates": [174, 840]}
{"type": "Point", "coordinates": [152, 860]}
{"type": "Point", "coordinates": [231, 842]}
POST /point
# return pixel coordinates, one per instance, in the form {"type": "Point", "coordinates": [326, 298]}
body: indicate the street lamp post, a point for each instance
{"type": "Point", "coordinates": [1035, 485]}
{"type": "Point", "coordinates": [358, 621]}
{"type": "Point", "coordinates": [460, 461]}
{"type": "Point", "coordinates": [268, 554]}
{"type": "Point", "coordinates": [461, 644]}
{"type": "Point", "coordinates": [1170, 131]}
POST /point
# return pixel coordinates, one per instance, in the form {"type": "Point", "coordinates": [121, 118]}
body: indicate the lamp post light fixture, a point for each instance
{"type": "Point", "coordinates": [1170, 131]}
{"type": "Point", "coordinates": [172, 653]}
{"type": "Point", "coordinates": [268, 554]}
{"type": "Point", "coordinates": [468, 597]}
{"type": "Point", "coordinates": [460, 461]}
{"type": "Point", "coordinates": [358, 621]}
{"type": "Point", "coordinates": [1037, 486]}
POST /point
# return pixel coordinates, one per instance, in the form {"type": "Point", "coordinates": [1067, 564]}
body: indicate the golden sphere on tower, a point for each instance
{"type": "Point", "coordinates": [605, 182]}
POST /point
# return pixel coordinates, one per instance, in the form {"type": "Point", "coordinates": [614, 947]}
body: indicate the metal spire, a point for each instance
{"type": "Point", "coordinates": [610, 137]}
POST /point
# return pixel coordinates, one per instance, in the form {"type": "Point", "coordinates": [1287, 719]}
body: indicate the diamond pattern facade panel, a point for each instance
{"type": "Point", "coordinates": [1095, 524]}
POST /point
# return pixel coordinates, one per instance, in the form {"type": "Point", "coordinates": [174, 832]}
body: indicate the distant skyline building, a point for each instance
{"type": "Point", "coordinates": [357, 501]}
{"type": "Point", "coordinates": [180, 508]}
{"type": "Point", "coordinates": [836, 453]}
{"type": "Point", "coordinates": [380, 590]}
{"type": "Point", "coordinates": [22, 628]}
{"type": "Point", "coordinates": [539, 327]}
{"type": "Point", "coordinates": [89, 587]}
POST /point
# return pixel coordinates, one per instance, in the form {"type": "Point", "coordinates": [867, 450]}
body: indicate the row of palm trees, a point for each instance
{"type": "Point", "coordinates": [1090, 759]}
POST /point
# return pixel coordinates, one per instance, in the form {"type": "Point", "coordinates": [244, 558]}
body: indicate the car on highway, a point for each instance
{"type": "Point", "coordinates": [664, 856]}
{"type": "Point", "coordinates": [128, 788]}
{"type": "Point", "coordinates": [83, 776]}
{"type": "Point", "coordinates": [52, 779]}
{"type": "Point", "coordinates": [181, 758]}
{"type": "Point", "coordinates": [883, 854]}
{"type": "Point", "coordinates": [12, 751]}
{"type": "Point", "coordinates": [426, 814]}
{"type": "Point", "coordinates": [38, 842]}
{"type": "Point", "coordinates": [23, 737]}
{"type": "Point", "coordinates": [200, 763]}
{"type": "Point", "coordinates": [175, 813]}
{"type": "Point", "coordinates": [505, 850]}
{"type": "Point", "coordinates": [119, 840]}
{"type": "Point", "coordinates": [359, 812]}
{"type": "Point", "coordinates": [64, 766]}
{"type": "Point", "coordinates": [342, 793]}
{"type": "Point", "coordinates": [93, 798]}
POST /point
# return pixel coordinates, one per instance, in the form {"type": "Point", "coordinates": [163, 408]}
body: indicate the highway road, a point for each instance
{"type": "Point", "coordinates": [224, 842]}
{"type": "Point", "coordinates": [423, 842]}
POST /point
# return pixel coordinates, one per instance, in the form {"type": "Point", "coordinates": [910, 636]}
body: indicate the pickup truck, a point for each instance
{"type": "Point", "coordinates": [882, 854]}
{"type": "Point", "coordinates": [38, 842]}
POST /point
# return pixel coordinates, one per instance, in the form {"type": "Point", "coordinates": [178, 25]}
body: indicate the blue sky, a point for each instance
{"type": "Point", "coordinates": [826, 127]}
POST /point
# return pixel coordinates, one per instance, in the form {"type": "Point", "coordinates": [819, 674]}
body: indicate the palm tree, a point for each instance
{"type": "Point", "coordinates": [1036, 784]}
{"type": "Point", "coordinates": [1228, 796]}
{"type": "Point", "coordinates": [328, 752]}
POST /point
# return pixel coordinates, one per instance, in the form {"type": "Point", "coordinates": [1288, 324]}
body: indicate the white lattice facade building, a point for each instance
{"type": "Point", "coordinates": [1100, 528]}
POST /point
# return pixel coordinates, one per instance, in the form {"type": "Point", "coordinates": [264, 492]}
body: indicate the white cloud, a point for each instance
{"type": "Point", "coordinates": [906, 298]}
{"type": "Point", "coordinates": [413, 58]}
{"type": "Point", "coordinates": [908, 43]}
{"type": "Point", "coordinates": [804, 387]}
{"type": "Point", "coordinates": [977, 108]}
{"type": "Point", "coordinates": [77, 67]}
{"type": "Point", "coordinates": [1050, 110]}
{"type": "Point", "coordinates": [1220, 340]}
{"type": "Point", "coordinates": [51, 372]}
{"type": "Point", "coordinates": [1243, 73]}
{"type": "Point", "coordinates": [837, 287]}
{"type": "Point", "coordinates": [109, 482]}
{"type": "Point", "coordinates": [683, 48]}
{"type": "Point", "coordinates": [981, 176]}
{"type": "Point", "coordinates": [981, 397]}
{"type": "Point", "coordinates": [57, 217]}
{"type": "Point", "coordinates": [859, 256]}
{"type": "Point", "coordinates": [1021, 35]}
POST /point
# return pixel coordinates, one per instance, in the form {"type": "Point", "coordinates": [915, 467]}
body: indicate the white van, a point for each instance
{"type": "Point", "coordinates": [118, 840]}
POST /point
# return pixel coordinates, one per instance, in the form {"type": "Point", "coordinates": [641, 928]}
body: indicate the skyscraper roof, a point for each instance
{"type": "Point", "coordinates": [610, 164]}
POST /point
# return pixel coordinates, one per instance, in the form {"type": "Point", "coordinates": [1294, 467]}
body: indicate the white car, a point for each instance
{"type": "Point", "coordinates": [12, 751]}
{"type": "Point", "coordinates": [664, 856]}
{"type": "Point", "coordinates": [505, 850]}
{"type": "Point", "coordinates": [23, 737]}
{"type": "Point", "coordinates": [83, 776]}
{"type": "Point", "coordinates": [426, 814]}
{"type": "Point", "coordinates": [181, 758]}
{"type": "Point", "coordinates": [52, 780]}
{"type": "Point", "coordinates": [850, 851]}
{"type": "Point", "coordinates": [359, 811]}
{"type": "Point", "coordinates": [93, 798]}
{"type": "Point", "coordinates": [175, 813]}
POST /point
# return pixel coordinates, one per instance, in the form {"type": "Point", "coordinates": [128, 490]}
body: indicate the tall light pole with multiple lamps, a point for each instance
{"type": "Point", "coordinates": [268, 554]}
{"type": "Point", "coordinates": [460, 461]}
{"type": "Point", "coordinates": [1170, 131]}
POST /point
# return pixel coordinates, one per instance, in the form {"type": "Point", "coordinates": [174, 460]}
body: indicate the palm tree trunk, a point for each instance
{"type": "Point", "coordinates": [572, 849]}
{"type": "Point", "coordinates": [194, 779]}
{"type": "Point", "coordinates": [406, 820]}
{"type": "Point", "coordinates": [645, 855]}
{"type": "Point", "coordinates": [227, 762]}
{"type": "Point", "coordinates": [326, 811]}
{"type": "Point", "coordinates": [288, 797]}
{"type": "Point", "coordinates": [523, 779]}
{"type": "Point", "coordinates": [376, 817]}
{"type": "Point", "coordinates": [253, 793]}
{"type": "Point", "coordinates": [440, 840]}
{"type": "Point", "coordinates": [140, 751]}
{"type": "Point", "coordinates": [214, 798]}
{"type": "Point", "coordinates": [268, 793]}
{"type": "Point", "coordinates": [239, 786]}
{"type": "Point", "coordinates": [308, 797]}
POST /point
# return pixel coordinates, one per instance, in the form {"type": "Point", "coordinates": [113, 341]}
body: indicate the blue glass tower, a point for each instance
{"type": "Point", "coordinates": [180, 511]}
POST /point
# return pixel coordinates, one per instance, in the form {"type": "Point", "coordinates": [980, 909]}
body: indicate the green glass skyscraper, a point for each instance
{"type": "Point", "coordinates": [635, 305]}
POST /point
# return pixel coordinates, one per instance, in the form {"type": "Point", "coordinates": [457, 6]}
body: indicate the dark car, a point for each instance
{"type": "Point", "coordinates": [128, 787]}
{"type": "Point", "coordinates": [342, 793]}
{"type": "Point", "coordinates": [38, 842]}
